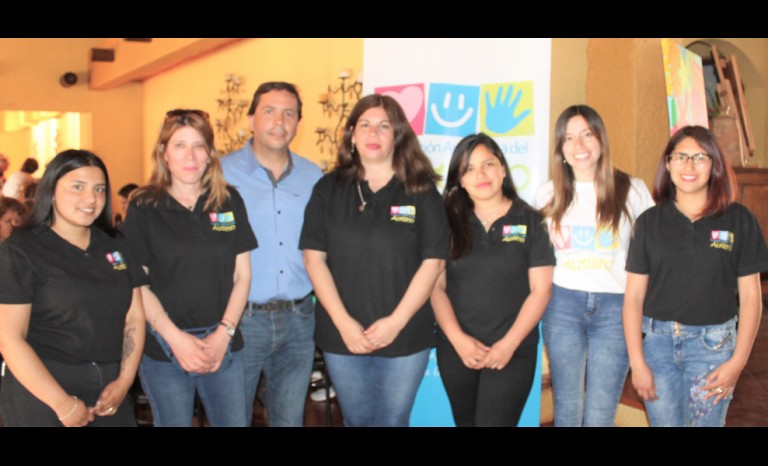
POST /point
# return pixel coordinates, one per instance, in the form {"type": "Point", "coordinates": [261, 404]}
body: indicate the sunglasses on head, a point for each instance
{"type": "Point", "coordinates": [180, 112]}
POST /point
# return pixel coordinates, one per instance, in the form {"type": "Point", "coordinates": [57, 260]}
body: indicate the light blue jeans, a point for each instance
{"type": "Point", "coordinates": [584, 336]}
{"type": "Point", "coordinates": [681, 357]}
{"type": "Point", "coordinates": [374, 391]}
{"type": "Point", "coordinates": [171, 393]}
{"type": "Point", "coordinates": [281, 345]}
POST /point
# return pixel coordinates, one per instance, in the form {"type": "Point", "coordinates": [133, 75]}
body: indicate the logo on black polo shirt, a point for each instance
{"type": "Point", "coordinates": [222, 221]}
{"type": "Point", "coordinates": [402, 213]}
{"type": "Point", "coordinates": [721, 239]}
{"type": "Point", "coordinates": [116, 259]}
{"type": "Point", "coordinates": [511, 233]}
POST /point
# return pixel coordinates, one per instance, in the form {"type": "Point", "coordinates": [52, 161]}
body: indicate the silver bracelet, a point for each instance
{"type": "Point", "coordinates": [71, 410]}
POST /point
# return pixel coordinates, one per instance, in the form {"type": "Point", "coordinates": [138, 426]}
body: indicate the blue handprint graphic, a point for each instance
{"type": "Point", "coordinates": [510, 112]}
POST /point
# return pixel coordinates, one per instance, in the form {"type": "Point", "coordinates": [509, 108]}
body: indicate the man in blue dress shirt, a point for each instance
{"type": "Point", "coordinates": [279, 320]}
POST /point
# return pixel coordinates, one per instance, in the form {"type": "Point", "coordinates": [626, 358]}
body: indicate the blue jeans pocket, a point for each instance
{"type": "Point", "coordinates": [719, 340]}
{"type": "Point", "coordinates": [201, 332]}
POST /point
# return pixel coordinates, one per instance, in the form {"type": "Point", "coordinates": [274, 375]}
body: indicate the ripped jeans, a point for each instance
{"type": "Point", "coordinates": [681, 357]}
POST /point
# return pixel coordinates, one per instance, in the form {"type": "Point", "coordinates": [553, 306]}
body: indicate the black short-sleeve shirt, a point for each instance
{"type": "Point", "coordinates": [373, 255]}
{"type": "Point", "coordinates": [79, 297]}
{"type": "Point", "coordinates": [694, 267]}
{"type": "Point", "coordinates": [191, 258]}
{"type": "Point", "coordinates": [488, 286]}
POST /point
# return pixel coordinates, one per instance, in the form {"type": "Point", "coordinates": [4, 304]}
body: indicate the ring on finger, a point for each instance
{"type": "Point", "coordinates": [719, 390]}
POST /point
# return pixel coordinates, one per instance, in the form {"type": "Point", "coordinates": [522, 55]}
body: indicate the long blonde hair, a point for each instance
{"type": "Point", "coordinates": [213, 181]}
{"type": "Point", "coordinates": [612, 185]}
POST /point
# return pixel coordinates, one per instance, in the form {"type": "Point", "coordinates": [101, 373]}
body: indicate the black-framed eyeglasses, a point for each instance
{"type": "Point", "coordinates": [179, 112]}
{"type": "Point", "coordinates": [681, 158]}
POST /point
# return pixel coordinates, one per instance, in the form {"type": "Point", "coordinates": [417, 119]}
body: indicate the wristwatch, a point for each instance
{"type": "Point", "coordinates": [230, 329]}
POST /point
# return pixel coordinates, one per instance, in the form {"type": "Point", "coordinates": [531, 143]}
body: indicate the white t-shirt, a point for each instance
{"type": "Point", "coordinates": [15, 184]}
{"type": "Point", "coordinates": [589, 259]}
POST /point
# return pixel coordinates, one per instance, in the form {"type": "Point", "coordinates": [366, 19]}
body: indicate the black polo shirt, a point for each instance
{"type": "Point", "coordinates": [693, 267]}
{"type": "Point", "coordinates": [191, 258]}
{"type": "Point", "coordinates": [374, 254]}
{"type": "Point", "coordinates": [79, 298]}
{"type": "Point", "coordinates": [488, 286]}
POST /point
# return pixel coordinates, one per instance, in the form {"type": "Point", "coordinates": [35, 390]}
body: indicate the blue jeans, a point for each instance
{"type": "Point", "coordinates": [282, 345]}
{"type": "Point", "coordinates": [584, 336]}
{"type": "Point", "coordinates": [171, 393]}
{"type": "Point", "coordinates": [681, 357]}
{"type": "Point", "coordinates": [375, 391]}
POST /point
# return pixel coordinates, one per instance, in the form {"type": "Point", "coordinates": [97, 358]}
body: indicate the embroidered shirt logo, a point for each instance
{"type": "Point", "coordinates": [222, 221]}
{"type": "Point", "coordinates": [402, 213]}
{"type": "Point", "coordinates": [721, 239]}
{"type": "Point", "coordinates": [117, 261]}
{"type": "Point", "coordinates": [511, 233]}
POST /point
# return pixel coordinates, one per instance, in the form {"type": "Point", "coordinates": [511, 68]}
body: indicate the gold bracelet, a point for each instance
{"type": "Point", "coordinates": [71, 410]}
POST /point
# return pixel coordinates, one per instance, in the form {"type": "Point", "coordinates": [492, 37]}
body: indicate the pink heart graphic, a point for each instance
{"type": "Point", "coordinates": [411, 98]}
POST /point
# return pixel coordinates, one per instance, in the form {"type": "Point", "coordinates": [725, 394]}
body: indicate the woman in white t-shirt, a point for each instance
{"type": "Point", "coordinates": [590, 208]}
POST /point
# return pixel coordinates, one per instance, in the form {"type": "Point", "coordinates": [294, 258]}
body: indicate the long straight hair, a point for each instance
{"type": "Point", "coordinates": [412, 168]}
{"type": "Point", "coordinates": [722, 185]}
{"type": "Point", "coordinates": [213, 181]}
{"type": "Point", "coordinates": [458, 204]}
{"type": "Point", "coordinates": [63, 163]}
{"type": "Point", "coordinates": [612, 185]}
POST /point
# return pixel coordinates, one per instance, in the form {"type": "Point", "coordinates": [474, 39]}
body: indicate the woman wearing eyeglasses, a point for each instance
{"type": "Point", "coordinates": [191, 233]}
{"type": "Point", "coordinates": [694, 268]}
{"type": "Point", "coordinates": [590, 208]}
{"type": "Point", "coordinates": [375, 238]}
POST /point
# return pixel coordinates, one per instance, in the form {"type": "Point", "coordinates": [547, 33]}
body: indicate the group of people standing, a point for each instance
{"type": "Point", "coordinates": [219, 262]}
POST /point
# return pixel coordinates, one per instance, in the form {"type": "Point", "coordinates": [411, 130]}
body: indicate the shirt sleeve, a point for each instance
{"type": "Point", "coordinates": [639, 198]}
{"type": "Point", "coordinates": [246, 239]}
{"type": "Point", "coordinates": [314, 231]}
{"type": "Point", "coordinates": [135, 271]}
{"type": "Point", "coordinates": [752, 254]}
{"type": "Point", "coordinates": [434, 239]}
{"type": "Point", "coordinates": [17, 270]}
{"type": "Point", "coordinates": [637, 255]}
{"type": "Point", "coordinates": [136, 230]}
{"type": "Point", "coordinates": [540, 252]}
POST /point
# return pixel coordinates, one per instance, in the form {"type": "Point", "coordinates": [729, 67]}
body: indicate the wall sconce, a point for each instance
{"type": "Point", "coordinates": [337, 103]}
{"type": "Point", "coordinates": [230, 138]}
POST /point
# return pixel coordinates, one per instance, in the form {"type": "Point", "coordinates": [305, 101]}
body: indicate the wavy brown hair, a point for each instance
{"type": "Point", "coordinates": [213, 181]}
{"type": "Point", "coordinates": [612, 185]}
{"type": "Point", "coordinates": [412, 168]}
{"type": "Point", "coordinates": [722, 185]}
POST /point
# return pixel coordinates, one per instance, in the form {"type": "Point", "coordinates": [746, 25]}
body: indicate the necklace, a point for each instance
{"type": "Point", "coordinates": [363, 202]}
{"type": "Point", "coordinates": [492, 217]}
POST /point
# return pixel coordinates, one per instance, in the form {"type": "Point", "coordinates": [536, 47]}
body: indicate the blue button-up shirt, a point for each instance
{"type": "Point", "coordinates": [276, 214]}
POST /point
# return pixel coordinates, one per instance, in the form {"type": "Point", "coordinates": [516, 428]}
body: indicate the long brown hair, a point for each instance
{"type": "Point", "coordinates": [612, 185]}
{"type": "Point", "coordinates": [213, 181]}
{"type": "Point", "coordinates": [722, 186]}
{"type": "Point", "coordinates": [458, 204]}
{"type": "Point", "coordinates": [412, 168]}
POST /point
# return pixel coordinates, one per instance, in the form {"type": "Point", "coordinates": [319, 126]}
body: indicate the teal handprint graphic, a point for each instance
{"type": "Point", "coordinates": [507, 109]}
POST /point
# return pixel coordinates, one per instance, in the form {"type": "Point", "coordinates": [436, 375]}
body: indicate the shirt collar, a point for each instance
{"type": "Point", "coordinates": [252, 163]}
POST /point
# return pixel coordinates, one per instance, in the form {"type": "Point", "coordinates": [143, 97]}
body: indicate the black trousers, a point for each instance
{"type": "Point", "coordinates": [20, 408]}
{"type": "Point", "coordinates": [486, 397]}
